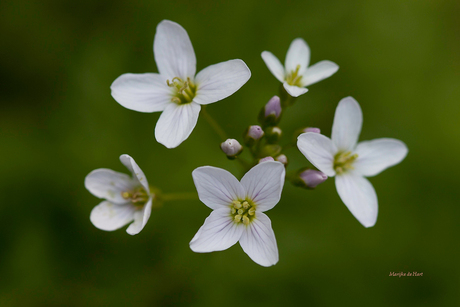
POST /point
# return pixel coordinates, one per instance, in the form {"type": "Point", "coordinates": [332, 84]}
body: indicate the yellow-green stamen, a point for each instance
{"type": "Point", "coordinates": [294, 78]}
{"type": "Point", "coordinates": [183, 91]}
{"type": "Point", "coordinates": [137, 197]}
{"type": "Point", "coordinates": [243, 211]}
{"type": "Point", "coordinates": [343, 161]}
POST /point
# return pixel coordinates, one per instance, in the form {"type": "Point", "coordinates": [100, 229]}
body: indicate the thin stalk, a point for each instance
{"type": "Point", "coordinates": [214, 124]}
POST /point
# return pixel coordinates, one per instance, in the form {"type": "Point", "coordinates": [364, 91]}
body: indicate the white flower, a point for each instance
{"type": "Point", "coordinates": [127, 198]}
{"type": "Point", "coordinates": [296, 75]}
{"type": "Point", "coordinates": [238, 210]}
{"type": "Point", "coordinates": [176, 90]}
{"type": "Point", "coordinates": [350, 163]}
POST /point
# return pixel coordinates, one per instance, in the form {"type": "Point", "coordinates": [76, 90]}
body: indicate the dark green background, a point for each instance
{"type": "Point", "coordinates": [399, 59]}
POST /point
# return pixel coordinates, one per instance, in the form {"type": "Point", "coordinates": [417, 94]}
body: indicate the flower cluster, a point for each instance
{"type": "Point", "coordinates": [238, 206]}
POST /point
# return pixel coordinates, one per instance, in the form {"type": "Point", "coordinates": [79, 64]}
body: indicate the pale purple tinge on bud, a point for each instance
{"type": "Point", "coordinates": [255, 132]}
{"type": "Point", "coordinates": [311, 129]}
{"type": "Point", "coordinates": [312, 178]}
{"type": "Point", "coordinates": [270, 114]}
{"type": "Point", "coordinates": [266, 159]}
{"type": "Point", "coordinates": [273, 106]}
{"type": "Point", "coordinates": [231, 147]}
{"type": "Point", "coordinates": [282, 158]}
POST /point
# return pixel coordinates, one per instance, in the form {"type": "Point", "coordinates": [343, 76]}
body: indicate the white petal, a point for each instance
{"type": "Point", "coordinates": [377, 155]}
{"type": "Point", "coordinates": [109, 216]}
{"type": "Point", "coordinates": [348, 120]}
{"type": "Point", "coordinates": [319, 150]}
{"type": "Point", "coordinates": [218, 232]}
{"type": "Point", "coordinates": [173, 51]}
{"type": "Point", "coordinates": [141, 218]}
{"type": "Point", "coordinates": [318, 72]}
{"type": "Point", "coordinates": [221, 80]}
{"type": "Point", "coordinates": [264, 184]}
{"type": "Point", "coordinates": [141, 92]}
{"type": "Point", "coordinates": [217, 187]}
{"type": "Point", "coordinates": [135, 170]}
{"type": "Point", "coordinates": [108, 184]}
{"type": "Point", "coordinates": [176, 123]}
{"type": "Point", "coordinates": [274, 65]}
{"type": "Point", "coordinates": [293, 90]}
{"type": "Point", "coordinates": [298, 54]}
{"type": "Point", "coordinates": [359, 196]}
{"type": "Point", "coordinates": [259, 242]}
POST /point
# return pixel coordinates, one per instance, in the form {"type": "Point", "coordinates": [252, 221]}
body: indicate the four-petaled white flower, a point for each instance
{"type": "Point", "coordinates": [176, 90]}
{"type": "Point", "coordinates": [238, 210]}
{"type": "Point", "coordinates": [350, 163]}
{"type": "Point", "coordinates": [127, 198]}
{"type": "Point", "coordinates": [296, 75]}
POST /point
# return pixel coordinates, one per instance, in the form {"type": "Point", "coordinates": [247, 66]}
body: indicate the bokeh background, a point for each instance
{"type": "Point", "coordinates": [400, 59]}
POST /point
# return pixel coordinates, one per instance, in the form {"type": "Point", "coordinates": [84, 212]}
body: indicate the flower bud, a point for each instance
{"type": "Point", "coordinates": [304, 130]}
{"type": "Point", "coordinates": [271, 112]}
{"type": "Point", "coordinates": [266, 159]}
{"type": "Point", "coordinates": [231, 148]}
{"type": "Point", "coordinates": [311, 178]}
{"type": "Point", "coordinates": [282, 158]}
{"type": "Point", "coordinates": [253, 134]}
{"type": "Point", "coordinates": [312, 129]}
{"type": "Point", "coordinates": [273, 134]}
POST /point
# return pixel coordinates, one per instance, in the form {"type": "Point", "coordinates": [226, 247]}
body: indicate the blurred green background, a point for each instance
{"type": "Point", "coordinates": [399, 59]}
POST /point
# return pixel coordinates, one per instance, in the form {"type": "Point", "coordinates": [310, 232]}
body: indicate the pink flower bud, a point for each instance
{"type": "Point", "coordinates": [273, 106]}
{"type": "Point", "coordinates": [311, 129]}
{"type": "Point", "coordinates": [231, 147]}
{"type": "Point", "coordinates": [266, 159]}
{"type": "Point", "coordinates": [270, 114]}
{"type": "Point", "coordinates": [312, 178]}
{"type": "Point", "coordinates": [255, 132]}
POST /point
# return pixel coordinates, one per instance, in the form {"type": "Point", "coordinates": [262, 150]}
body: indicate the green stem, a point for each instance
{"type": "Point", "coordinates": [179, 196]}
{"type": "Point", "coordinates": [213, 124]}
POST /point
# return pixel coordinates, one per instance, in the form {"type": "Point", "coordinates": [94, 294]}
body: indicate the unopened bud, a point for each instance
{"type": "Point", "coordinates": [253, 134]}
{"type": "Point", "coordinates": [304, 130]}
{"type": "Point", "coordinates": [231, 148]}
{"type": "Point", "coordinates": [282, 158]}
{"type": "Point", "coordinates": [271, 112]}
{"type": "Point", "coordinates": [266, 159]}
{"type": "Point", "coordinates": [311, 178]}
{"type": "Point", "coordinates": [312, 129]}
{"type": "Point", "coordinates": [273, 107]}
{"type": "Point", "coordinates": [273, 134]}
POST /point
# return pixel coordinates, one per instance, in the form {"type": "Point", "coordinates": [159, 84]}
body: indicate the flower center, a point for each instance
{"type": "Point", "coordinates": [294, 78]}
{"type": "Point", "coordinates": [243, 211]}
{"type": "Point", "coordinates": [183, 91]}
{"type": "Point", "coordinates": [138, 197]}
{"type": "Point", "coordinates": [343, 161]}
